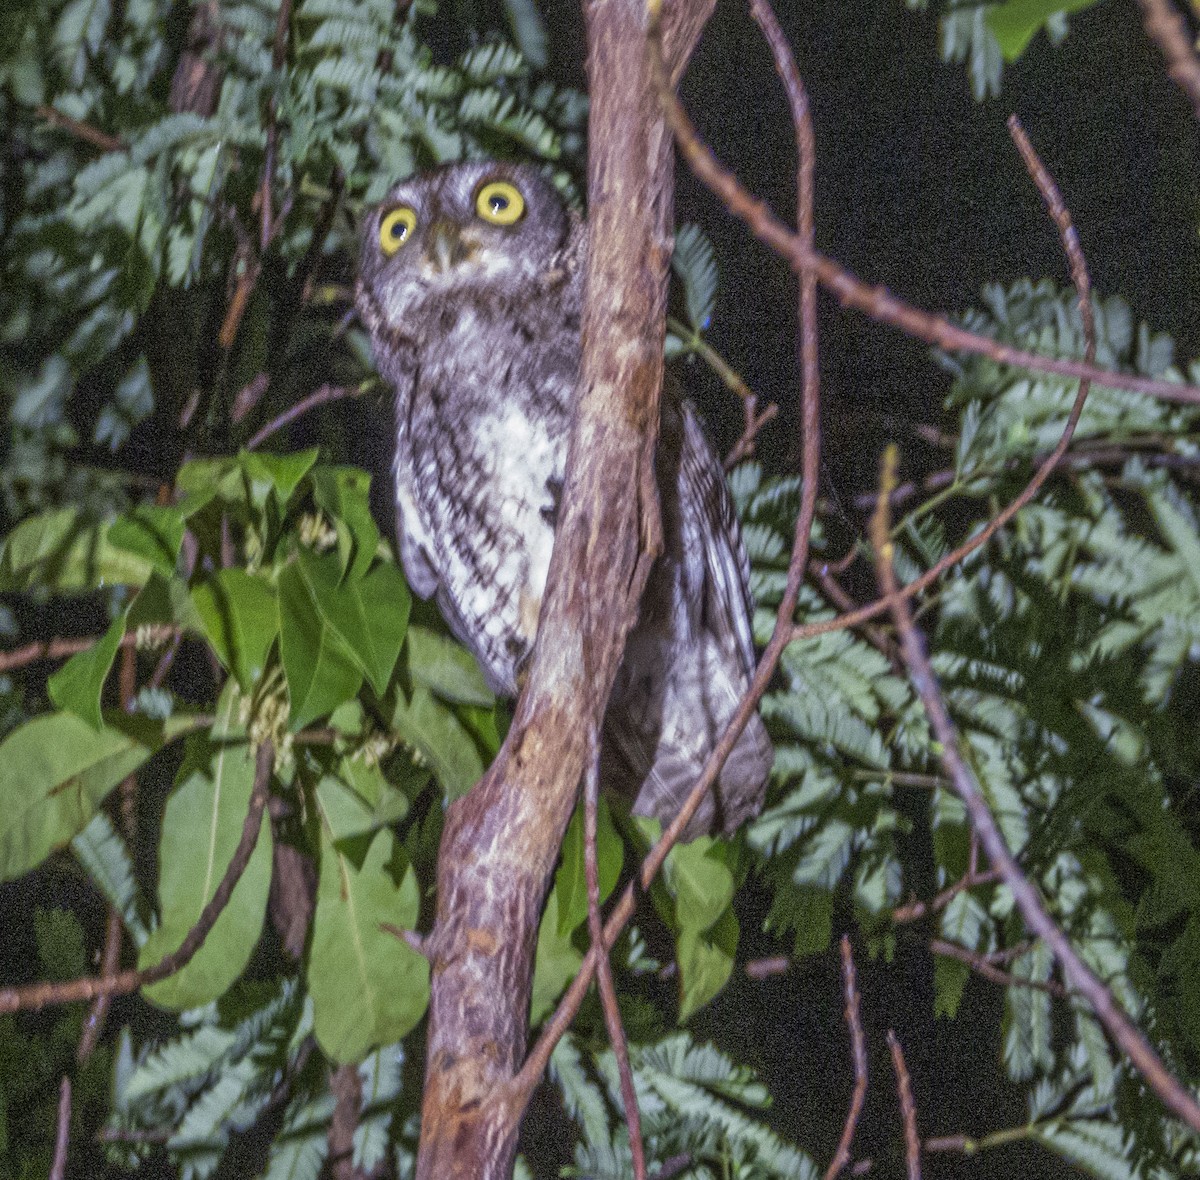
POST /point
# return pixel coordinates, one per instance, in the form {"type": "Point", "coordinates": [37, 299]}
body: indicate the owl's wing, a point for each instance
{"type": "Point", "coordinates": [712, 544]}
{"type": "Point", "coordinates": [414, 545]}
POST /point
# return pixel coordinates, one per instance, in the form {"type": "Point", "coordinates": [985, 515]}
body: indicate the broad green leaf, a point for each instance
{"type": "Point", "coordinates": [447, 668]}
{"type": "Point", "coordinates": [240, 618]}
{"type": "Point", "coordinates": [705, 963]}
{"type": "Point", "coordinates": [54, 772]}
{"type": "Point", "coordinates": [348, 814]}
{"type": "Point", "coordinates": [76, 687]}
{"type": "Point", "coordinates": [61, 551]}
{"type": "Point", "coordinates": [278, 473]}
{"type": "Point", "coordinates": [556, 963]}
{"type": "Point", "coordinates": [202, 824]}
{"type": "Point", "coordinates": [321, 672]}
{"type": "Point", "coordinates": [343, 492]}
{"type": "Point", "coordinates": [368, 987]}
{"type": "Point", "coordinates": [431, 728]}
{"type": "Point", "coordinates": [370, 625]}
{"type": "Point", "coordinates": [200, 480]}
{"type": "Point", "coordinates": [570, 881]}
{"type": "Point", "coordinates": [700, 881]}
{"type": "Point", "coordinates": [151, 532]}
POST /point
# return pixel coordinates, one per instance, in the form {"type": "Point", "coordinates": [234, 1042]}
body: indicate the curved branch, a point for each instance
{"type": "Point", "coordinates": [1167, 30]}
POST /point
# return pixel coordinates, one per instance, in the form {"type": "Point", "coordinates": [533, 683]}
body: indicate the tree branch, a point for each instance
{"type": "Point", "coordinates": [501, 840]}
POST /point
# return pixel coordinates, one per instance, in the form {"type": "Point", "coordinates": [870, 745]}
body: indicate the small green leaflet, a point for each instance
{"type": "Point", "coordinates": [342, 492]}
{"type": "Point", "coordinates": [1014, 22]}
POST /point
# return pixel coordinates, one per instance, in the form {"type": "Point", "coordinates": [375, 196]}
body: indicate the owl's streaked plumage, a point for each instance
{"type": "Point", "coordinates": [471, 284]}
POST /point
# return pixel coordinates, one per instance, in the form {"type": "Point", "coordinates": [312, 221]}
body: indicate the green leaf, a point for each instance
{"type": "Point", "coordinates": [347, 814]}
{"type": "Point", "coordinates": [371, 626]}
{"type": "Point", "coordinates": [695, 264]}
{"type": "Point", "coordinates": [59, 943]}
{"type": "Point", "coordinates": [368, 987]}
{"type": "Point", "coordinates": [105, 858]}
{"type": "Point", "coordinates": [1014, 22]}
{"type": "Point", "coordinates": [447, 668]}
{"type": "Point", "coordinates": [432, 729]}
{"type": "Point", "coordinates": [949, 979]}
{"type": "Point", "coordinates": [700, 881]}
{"type": "Point", "coordinates": [278, 473]}
{"type": "Point", "coordinates": [54, 772]}
{"type": "Point", "coordinates": [321, 671]}
{"type": "Point", "coordinates": [201, 827]}
{"type": "Point", "coordinates": [705, 963]}
{"type": "Point", "coordinates": [76, 687]}
{"type": "Point", "coordinates": [61, 551]}
{"type": "Point", "coordinates": [343, 492]}
{"type": "Point", "coordinates": [151, 532]}
{"type": "Point", "coordinates": [556, 963]}
{"type": "Point", "coordinates": [570, 881]}
{"type": "Point", "coordinates": [240, 618]}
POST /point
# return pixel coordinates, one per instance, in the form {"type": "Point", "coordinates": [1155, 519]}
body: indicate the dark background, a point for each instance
{"type": "Point", "coordinates": [918, 188]}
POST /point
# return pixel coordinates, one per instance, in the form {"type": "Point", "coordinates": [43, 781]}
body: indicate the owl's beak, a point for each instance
{"type": "Point", "coordinates": [444, 246]}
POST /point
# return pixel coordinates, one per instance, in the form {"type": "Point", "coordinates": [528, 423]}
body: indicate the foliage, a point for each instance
{"type": "Point", "coordinates": [985, 35]}
{"type": "Point", "coordinates": [154, 323]}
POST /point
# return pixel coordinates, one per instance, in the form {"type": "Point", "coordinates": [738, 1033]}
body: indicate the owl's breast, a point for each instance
{"type": "Point", "coordinates": [481, 450]}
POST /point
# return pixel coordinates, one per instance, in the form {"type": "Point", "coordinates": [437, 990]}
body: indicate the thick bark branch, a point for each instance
{"type": "Point", "coordinates": [501, 840]}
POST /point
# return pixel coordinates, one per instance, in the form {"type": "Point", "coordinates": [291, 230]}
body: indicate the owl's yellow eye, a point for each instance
{"type": "Point", "coordinates": [500, 203]}
{"type": "Point", "coordinates": [396, 228]}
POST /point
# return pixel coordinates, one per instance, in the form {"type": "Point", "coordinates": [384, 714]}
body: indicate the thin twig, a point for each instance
{"type": "Point", "coordinates": [1079, 276]}
{"type": "Point", "coordinates": [1079, 977]}
{"type": "Point", "coordinates": [760, 969]}
{"type": "Point", "coordinates": [969, 880]}
{"type": "Point", "coordinates": [858, 1053]}
{"type": "Point", "coordinates": [34, 996]}
{"type": "Point", "coordinates": [1167, 30]}
{"type": "Point", "coordinates": [988, 970]}
{"type": "Point", "coordinates": [604, 978]}
{"type": "Point", "coordinates": [877, 302]}
{"type": "Point", "coordinates": [84, 131]}
{"type": "Point", "coordinates": [62, 1135]}
{"type": "Point", "coordinates": [908, 1109]}
{"type": "Point", "coordinates": [346, 1087]}
{"type": "Point", "coordinates": [319, 397]}
{"type": "Point", "coordinates": [556, 1026]}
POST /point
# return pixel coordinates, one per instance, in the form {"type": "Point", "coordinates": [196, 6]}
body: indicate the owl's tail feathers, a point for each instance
{"type": "Point", "coordinates": [659, 763]}
{"type": "Point", "coordinates": [740, 789]}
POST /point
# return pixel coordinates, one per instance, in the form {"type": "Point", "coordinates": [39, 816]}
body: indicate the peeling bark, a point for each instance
{"type": "Point", "coordinates": [501, 840]}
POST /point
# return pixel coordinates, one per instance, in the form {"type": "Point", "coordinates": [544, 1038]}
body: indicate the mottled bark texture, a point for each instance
{"type": "Point", "coordinates": [501, 840]}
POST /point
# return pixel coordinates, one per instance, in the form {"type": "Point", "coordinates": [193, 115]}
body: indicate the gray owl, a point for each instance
{"type": "Point", "coordinates": [471, 284]}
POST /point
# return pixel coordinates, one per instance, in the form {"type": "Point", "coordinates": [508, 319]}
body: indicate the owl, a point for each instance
{"type": "Point", "coordinates": [470, 283]}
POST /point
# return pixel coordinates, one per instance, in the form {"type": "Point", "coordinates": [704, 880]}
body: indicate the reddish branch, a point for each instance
{"type": "Point", "coordinates": [32, 997]}
{"type": "Point", "coordinates": [83, 131]}
{"type": "Point", "coordinates": [878, 302]}
{"type": "Point", "coordinates": [62, 1135]}
{"type": "Point", "coordinates": [501, 840]}
{"type": "Point", "coordinates": [327, 393]}
{"type": "Point", "coordinates": [559, 1022]}
{"type": "Point", "coordinates": [858, 1053]}
{"type": "Point", "coordinates": [908, 1109]}
{"type": "Point", "coordinates": [983, 966]}
{"type": "Point", "coordinates": [1169, 32]}
{"type": "Point", "coordinates": [969, 880]}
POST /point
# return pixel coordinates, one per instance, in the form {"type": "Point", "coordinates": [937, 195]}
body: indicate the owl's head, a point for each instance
{"type": "Point", "coordinates": [465, 228]}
